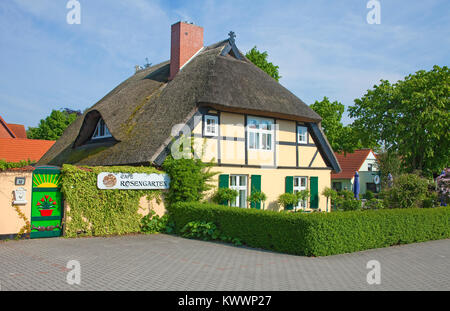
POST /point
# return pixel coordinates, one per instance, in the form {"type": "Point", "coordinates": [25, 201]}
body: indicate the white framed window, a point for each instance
{"type": "Point", "coordinates": [370, 167]}
{"type": "Point", "coordinates": [239, 183]}
{"type": "Point", "coordinates": [101, 131]}
{"type": "Point", "coordinates": [260, 133]}
{"type": "Point", "coordinates": [302, 133]}
{"type": "Point", "coordinates": [211, 125]}
{"type": "Point", "coordinates": [300, 183]}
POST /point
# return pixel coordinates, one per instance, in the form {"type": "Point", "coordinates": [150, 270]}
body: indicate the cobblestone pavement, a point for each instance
{"type": "Point", "coordinates": [163, 262]}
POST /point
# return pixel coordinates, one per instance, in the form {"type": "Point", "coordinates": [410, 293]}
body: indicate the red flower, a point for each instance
{"type": "Point", "coordinates": [43, 199]}
{"type": "Point", "coordinates": [50, 200]}
{"type": "Point", "coordinates": [46, 196]}
{"type": "Point", "coordinates": [38, 204]}
{"type": "Point", "coordinates": [54, 203]}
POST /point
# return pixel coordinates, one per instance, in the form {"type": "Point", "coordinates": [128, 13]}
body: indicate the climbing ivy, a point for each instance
{"type": "Point", "coordinates": [10, 165]}
{"type": "Point", "coordinates": [95, 212]}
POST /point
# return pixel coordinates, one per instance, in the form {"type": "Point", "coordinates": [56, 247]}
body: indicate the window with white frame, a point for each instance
{"type": "Point", "coordinates": [302, 133]}
{"type": "Point", "coordinates": [239, 183]}
{"type": "Point", "coordinates": [300, 183]}
{"type": "Point", "coordinates": [260, 133]}
{"type": "Point", "coordinates": [211, 125]}
{"type": "Point", "coordinates": [101, 131]}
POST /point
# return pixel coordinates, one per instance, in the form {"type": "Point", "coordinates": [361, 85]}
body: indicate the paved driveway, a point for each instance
{"type": "Point", "coordinates": [163, 262]}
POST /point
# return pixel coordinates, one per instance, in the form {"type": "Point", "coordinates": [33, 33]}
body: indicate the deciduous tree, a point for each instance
{"type": "Point", "coordinates": [260, 59]}
{"type": "Point", "coordinates": [52, 127]}
{"type": "Point", "coordinates": [341, 138]}
{"type": "Point", "coordinates": [410, 117]}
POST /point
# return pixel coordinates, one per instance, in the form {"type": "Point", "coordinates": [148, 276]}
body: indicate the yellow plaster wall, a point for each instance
{"type": "Point", "coordinates": [286, 155]}
{"type": "Point", "coordinates": [146, 205]}
{"type": "Point", "coordinates": [10, 222]}
{"type": "Point", "coordinates": [273, 182]}
{"type": "Point", "coordinates": [286, 131]}
{"type": "Point", "coordinates": [305, 155]}
{"type": "Point", "coordinates": [232, 125]}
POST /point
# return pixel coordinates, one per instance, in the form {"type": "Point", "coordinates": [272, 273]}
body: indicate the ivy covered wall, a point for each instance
{"type": "Point", "coordinates": [95, 212]}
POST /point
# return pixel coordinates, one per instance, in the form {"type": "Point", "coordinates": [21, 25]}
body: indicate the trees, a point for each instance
{"type": "Point", "coordinates": [410, 117]}
{"type": "Point", "coordinates": [341, 138]}
{"type": "Point", "coordinates": [389, 162]}
{"type": "Point", "coordinates": [260, 59]}
{"type": "Point", "coordinates": [52, 127]}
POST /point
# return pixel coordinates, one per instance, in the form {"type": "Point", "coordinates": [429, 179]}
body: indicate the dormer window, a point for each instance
{"type": "Point", "coordinates": [101, 131]}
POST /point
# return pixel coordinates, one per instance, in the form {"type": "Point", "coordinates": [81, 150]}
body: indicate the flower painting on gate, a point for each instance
{"type": "Point", "coordinates": [46, 205]}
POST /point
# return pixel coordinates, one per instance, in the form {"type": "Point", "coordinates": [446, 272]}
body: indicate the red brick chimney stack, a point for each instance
{"type": "Point", "coordinates": [186, 40]}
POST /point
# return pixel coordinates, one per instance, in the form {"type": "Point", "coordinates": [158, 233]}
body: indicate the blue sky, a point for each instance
{"type": "Point", "coordinates": [323, 48]}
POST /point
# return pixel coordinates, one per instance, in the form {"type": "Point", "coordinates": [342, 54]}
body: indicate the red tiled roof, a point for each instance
{"type": "Point", "coordinates": [5, 131]}
{"type": "Point", "coordinates": [350, 163]}
{"type": "Point", "coordinates": [18, 149]}
{"type": "Point", "coordinates": [18, 130]}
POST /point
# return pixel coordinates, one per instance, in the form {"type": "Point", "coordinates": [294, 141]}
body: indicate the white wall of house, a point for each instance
{"type": "Point", "coordinates": [371, 159]}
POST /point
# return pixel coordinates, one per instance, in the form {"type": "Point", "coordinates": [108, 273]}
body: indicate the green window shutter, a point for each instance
{"type": "Point", "coordinates": [289, 188]}
{"type": "Point", "coordinates": [224, 182]}
{"type": "Point", "coordinates": [314, 190]}
{"type": "Point", "coordinates": [256, 187]}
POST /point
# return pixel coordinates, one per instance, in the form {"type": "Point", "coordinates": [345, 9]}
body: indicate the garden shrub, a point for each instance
{"type": "Point", "coordinates": [224, 196]}
{"type": "Point", "coordinates": [352, 204]}
{"type": "Point", "coordinates": [443, 187]}
{"type": "Point", "coordinates": [152, 223]}
{"type": "Point", "coordinates": [206, 231]}
{"type": "Point", "coordinates": [257, 197]}
{"type": "Point", "coordinates": [287, 199]}
{"type": "Point", "coordinates": [189, 179]}
{"type": "Point", "coordinates": [95, 212]}
{"type": "Point", "coordinates": [409, 190]}
{"type": "Point", "coordinates": [374, 204]}
{"type": "Point", "coordinates": [346, 201]}
{"type": "Point", "coordinates": [369, 195]}
{"type": "Point", "coordinates": [317, 234]}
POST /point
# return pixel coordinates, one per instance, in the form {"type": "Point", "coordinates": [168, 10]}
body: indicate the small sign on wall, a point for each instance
{"type": "Point", "coordinates": [20, 181]}
{"type": "Point", "coordinates": [135, 181]}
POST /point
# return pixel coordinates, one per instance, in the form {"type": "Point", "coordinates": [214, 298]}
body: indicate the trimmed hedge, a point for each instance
{"type": "Point", "coordinates": [318, 234]}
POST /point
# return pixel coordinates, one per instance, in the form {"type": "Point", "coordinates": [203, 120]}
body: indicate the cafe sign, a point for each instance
{"type": "Point", "coordinates": [135, 181]}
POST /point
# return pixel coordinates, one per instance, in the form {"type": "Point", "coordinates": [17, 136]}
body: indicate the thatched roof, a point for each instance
{"type": "Point", "coordinates": [141, 111]}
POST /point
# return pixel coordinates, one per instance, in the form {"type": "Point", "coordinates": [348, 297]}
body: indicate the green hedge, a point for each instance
{"type": "Point", "coordinates": [318, 234]}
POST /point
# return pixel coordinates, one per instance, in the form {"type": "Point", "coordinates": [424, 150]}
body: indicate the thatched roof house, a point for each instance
{"type": "Point", "coordinates": [141, 112]}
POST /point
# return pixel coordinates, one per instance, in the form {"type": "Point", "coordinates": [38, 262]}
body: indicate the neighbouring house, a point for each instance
{"type": "Point", "coordinates": [362, 161]}
{"type": "Point", "coordinates": [15, 147]}
{"type": "Point", "coordinates": [259, 135]}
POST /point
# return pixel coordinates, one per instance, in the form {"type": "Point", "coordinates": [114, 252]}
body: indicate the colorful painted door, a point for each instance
{"type": "Point", "coordinates": [46, 203]}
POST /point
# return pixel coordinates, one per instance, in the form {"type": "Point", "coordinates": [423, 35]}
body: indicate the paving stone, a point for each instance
{"type": "Point", "coordinates": [164, 262]}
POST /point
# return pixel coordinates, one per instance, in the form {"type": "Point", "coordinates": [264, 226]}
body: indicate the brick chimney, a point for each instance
{"type": "Point", "coordinates": [186, 40]}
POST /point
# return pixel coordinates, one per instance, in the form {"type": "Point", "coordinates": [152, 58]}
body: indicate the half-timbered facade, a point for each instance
{"type": "Point", "coordinates": [259, 135]}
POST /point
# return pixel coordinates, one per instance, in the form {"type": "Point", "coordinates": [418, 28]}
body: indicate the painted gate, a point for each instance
{"type": "Point", "coordinates": [46, 203]}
